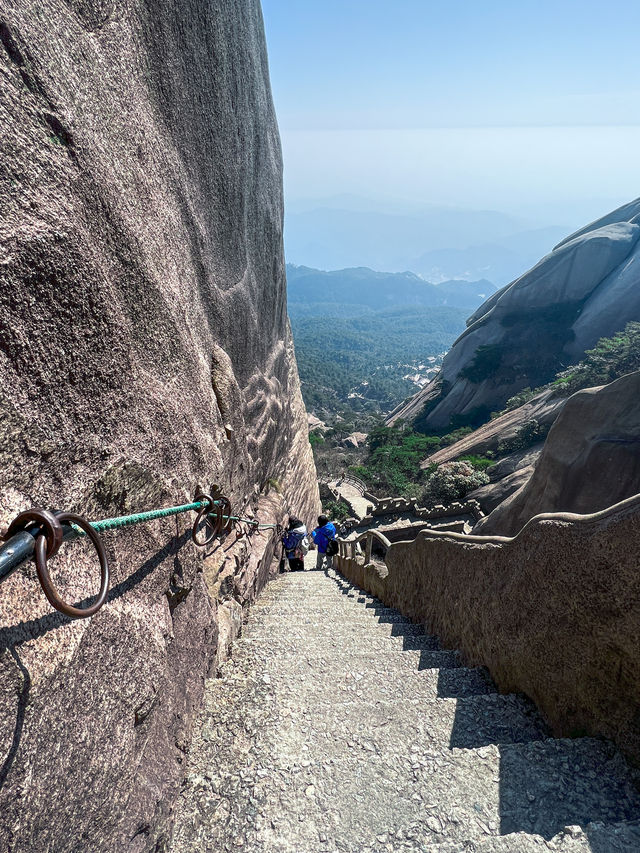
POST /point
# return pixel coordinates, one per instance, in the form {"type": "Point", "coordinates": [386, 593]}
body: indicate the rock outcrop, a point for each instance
{"type": "Point", "coordinates": [505, 484]}
{"type": "Point", "coordinates": [145, 351]}
{"type": "Point", "coordinates": [544, 408]}
{"type": "Point", "coordinates": [355, 440]}
{"type": "Point", "coordinates": [590, 460]}
{"type": "Point", "coordinates": [586, 288]}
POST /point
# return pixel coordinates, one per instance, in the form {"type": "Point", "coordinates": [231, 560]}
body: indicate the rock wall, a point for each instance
{"type": "Point", "coordinates": [590, 460]}
{"type": "Point", "coordinates": [144, 351]}
{"type": "Point", "coordinates": [553, 613]}
{"type": "Point", "coordinates": [585, 289]}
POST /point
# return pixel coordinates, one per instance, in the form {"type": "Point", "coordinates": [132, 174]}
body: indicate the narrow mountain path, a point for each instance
{"type": "Point", "coordinates": [352, 496]}
{"type": "Point", "coordinates": [340, 726]}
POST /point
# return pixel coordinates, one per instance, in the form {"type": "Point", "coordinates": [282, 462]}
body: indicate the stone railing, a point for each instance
{"type": "Point", "coordinates": [553, 612]}
{"type": "Point", "coordinates": [352, 561]}
{"type": "Point", "coordinates": [470, 507]}
{"type": "Point", "coordinates": [388, 506]}
{"type": "Point", "coordinates": [356, 482]}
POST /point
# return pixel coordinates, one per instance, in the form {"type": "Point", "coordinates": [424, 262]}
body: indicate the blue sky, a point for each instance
{"type": "Point", "coordinates": [494, 103]}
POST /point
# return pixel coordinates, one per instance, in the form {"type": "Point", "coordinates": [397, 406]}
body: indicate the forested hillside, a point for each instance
{"type": "Point", "coordinates": [371, 362]}
{"type": "Point", "coordinates": [366, 340]}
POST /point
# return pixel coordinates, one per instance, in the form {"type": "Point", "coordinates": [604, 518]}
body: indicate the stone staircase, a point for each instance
{"type": "Point", "coordinates": [351, 493]}
{"type": "Point", "coordinates": [340, 726]}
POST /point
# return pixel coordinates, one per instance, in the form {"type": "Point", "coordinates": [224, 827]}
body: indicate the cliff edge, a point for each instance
{"type": "Point", "coordinates": [585, 289]}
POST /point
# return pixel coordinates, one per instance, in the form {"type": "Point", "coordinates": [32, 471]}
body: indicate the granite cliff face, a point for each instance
{"type": "Point", "coordinates": [586, 288]}
{"type": "Point", "coordinates": [590, 460]}
{"type": "Point", "coordinates": [145, 350]}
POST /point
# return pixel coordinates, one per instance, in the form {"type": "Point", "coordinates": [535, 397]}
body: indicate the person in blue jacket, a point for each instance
{"type": "Point", "coordinates": [322, 535]}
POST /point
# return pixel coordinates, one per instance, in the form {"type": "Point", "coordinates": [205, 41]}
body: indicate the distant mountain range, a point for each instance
{"type": "Point", "coordinates": [360, 290]}
{"type": "Point", "coordinates": [499, 262]}
{"type": "Point", "coordinates": [439, 243]}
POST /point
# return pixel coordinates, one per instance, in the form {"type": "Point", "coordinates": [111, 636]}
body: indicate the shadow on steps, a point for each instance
{"type": "Point", "coordinates": [495, 719]}
{"type": "Point", "coordinates": [459, 682]}
{"type": "Point", "coordinates": [550, 784]}
{"type": "Point", "coordinates": [545, 784]}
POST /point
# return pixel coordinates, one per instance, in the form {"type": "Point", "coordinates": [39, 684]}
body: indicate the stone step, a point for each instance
{"type": "Point", "coordinates": [334, 616]}
{"type": "Point", "coordinates": [451, 682]}
{"type": "Point", "coordinates": [272, 625]}
{"type": "Point", "coordinates": [288, 643]}
{"type": "Point", "coordinates": [596, 837]}
{"type": "Point", "coordinates": [317, 580]}
{"type": "Point", "coordinates": [312, 593]}
{"type": "Point", "coordinates": [395, 697]}
{"type": "Point", "coordinates": [296, 608]}
{"type": "Point", "coordinates": [365, 687]}
{"type": "Point", "coordinates": [312, 663]}
{"type": "Point", "coordinates": [403, 731]}
{"type": "Point", "coordinates": [443, 798]}
{"type": "Point", "coordinates": [319, 611]}
{"type": "Point", "coordinates": [412, 688]}
{"type": "Point", "coordinates": [317, 659]}
{"type": "Point", "coordinates": [325, 593]}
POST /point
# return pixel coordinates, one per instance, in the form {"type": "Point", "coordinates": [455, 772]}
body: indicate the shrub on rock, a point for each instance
{"type": "Point", "coordinates": [452, 481]}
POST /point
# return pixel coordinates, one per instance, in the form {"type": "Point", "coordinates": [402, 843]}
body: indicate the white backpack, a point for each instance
{"type": "Point", "coordinates": [303, 546]}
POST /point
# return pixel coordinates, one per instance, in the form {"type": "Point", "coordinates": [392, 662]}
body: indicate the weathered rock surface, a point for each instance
{"type": "Point", "coordinates": [315, 423]}
{"type": "Point", "coordinates": [553, 613]}
{"type": "Point", "coordinates": [590, 460]}
{"type": "Point", "coordinates": [145, 350]}
{"type": "Point", "coordinates": [543, 408]}
{"type": "Point", "coordinates": [587, 288]}
{"type": "Point", "coordinates": [506, 477]}
{"type": "Point", "coordinates": [355, 440]}
{"type": "Point", "coordinates": [493, 494]}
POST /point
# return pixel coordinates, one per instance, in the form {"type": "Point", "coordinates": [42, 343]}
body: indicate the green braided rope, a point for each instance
{"type": "Point", "coordinates": [141, 517]}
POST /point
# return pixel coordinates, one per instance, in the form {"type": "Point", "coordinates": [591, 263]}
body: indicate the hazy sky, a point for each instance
{"type": "Point", "coordinates": [504, 104]}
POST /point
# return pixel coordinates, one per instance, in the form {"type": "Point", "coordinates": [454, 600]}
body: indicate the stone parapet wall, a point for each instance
{"type": "Point", "coordinates": [386, 506]}
{"type": "Point", "coordinates": [470, 507]}
{"type": "Point", "coordinates": [389, 506]}
{"type": "Point", "coordinates": [553, 612]}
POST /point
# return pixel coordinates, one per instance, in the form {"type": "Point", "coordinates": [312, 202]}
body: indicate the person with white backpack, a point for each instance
{"type": "Point", "coordinates": [295, 544]}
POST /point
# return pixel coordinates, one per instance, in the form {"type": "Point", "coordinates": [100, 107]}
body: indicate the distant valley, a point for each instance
{"type": "Point", "coordinates": [366, 340]}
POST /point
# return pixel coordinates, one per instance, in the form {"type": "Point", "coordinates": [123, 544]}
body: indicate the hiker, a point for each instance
{"type": "Point", "coordinates": [295, 544]}
{"type": "Point", "coordinates": [324, 534]}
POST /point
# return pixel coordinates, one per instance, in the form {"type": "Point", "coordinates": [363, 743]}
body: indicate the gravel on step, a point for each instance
{"type": "Point", "coordinates": [340, 726]}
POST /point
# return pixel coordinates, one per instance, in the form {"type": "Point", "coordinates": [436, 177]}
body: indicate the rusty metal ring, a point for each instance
{"type": "Point", "coordinates": [45, 579]}
{"type": "Point", "coordinates": [52, 531]}
{"type": "Point", "coordinates": [225, 503]}
{"type": "Point", "coordinates": [205, 513]}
